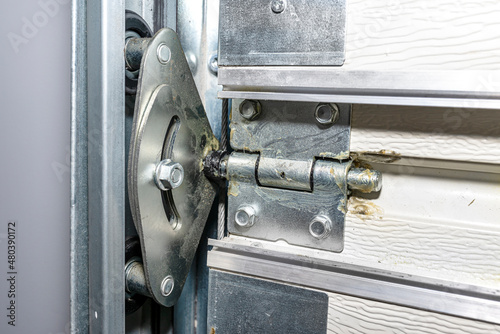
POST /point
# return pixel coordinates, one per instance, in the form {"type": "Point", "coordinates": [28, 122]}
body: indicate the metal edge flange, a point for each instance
{"type": "Point", "coordinates": [170, 124]}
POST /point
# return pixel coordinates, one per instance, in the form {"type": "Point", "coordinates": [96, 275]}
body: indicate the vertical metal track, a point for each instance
{"type": "Point", "coordinates": [106, 165]}
{"type": "Point", "coordinates": [79, 300]}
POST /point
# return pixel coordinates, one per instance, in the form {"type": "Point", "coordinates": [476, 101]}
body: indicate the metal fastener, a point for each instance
{"type": "Point", "coordinates": [245, 216]}
{"type": "Point", "coordinates": [327, 113]}
{"type": "Point", "coordinates": [168, 175]}
{"type": "Point", "coordinates": [213, 63]}
{"type": "Point", "coordinates": [278, 6]}
{"type": "Point", "coordinates": [320, 227]}
{"type": "Point", "coordinates": [167, 285]}
{"type": "Point", "coordinates": [163, 52]}
{"type": "Point", "coordinates": [250, 109]}
{"type": "Point", "coordinates": [364, 180]}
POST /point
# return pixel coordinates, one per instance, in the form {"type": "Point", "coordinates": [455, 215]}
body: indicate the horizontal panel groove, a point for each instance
{"type": "Point", "coordinates": [465, 301]}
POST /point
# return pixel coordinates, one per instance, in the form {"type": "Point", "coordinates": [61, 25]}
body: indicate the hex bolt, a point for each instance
{"type": "Point", "coordinates": [364, 179]}
{"type": "Point", "coordinates": [320, 227]}
{"type": "Point", "coordinates": [163, 53]}
{"type": "Point", "coordinates": [245, 216]}
{"type": "Point", "coordinates": [250, 109]}
{"type": "Point", "coordinates": [168, 175]}
{"type": "Point", "coordinates": [327, 113]}
{"type": "Point", "coordinates": [278, 6]}
{"type": "Point", "coordinates": [167, 285]}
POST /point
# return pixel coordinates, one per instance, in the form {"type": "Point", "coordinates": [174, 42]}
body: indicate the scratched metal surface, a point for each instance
{"type": "Point", "coordinates": [252, 34]}
{"type": "Point", "coordinates": [240, 304]}
{"type": "Point", "coordinates": [289, 130]}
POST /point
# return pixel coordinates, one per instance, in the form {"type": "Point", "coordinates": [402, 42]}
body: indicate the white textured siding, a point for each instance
{"type": "Point", "coordinates": [437, 133]}
{"type": "Point", "coordinates": [423, 35]}
{"type": "Point", "coordinates": [351, 315]}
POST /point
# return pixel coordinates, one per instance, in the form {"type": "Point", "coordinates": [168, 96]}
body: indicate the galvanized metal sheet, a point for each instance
{"type": "Point", "coordinates": [289, 130]}
{"type": "Point", "coordinates": [240, 304]}
{"type": "Point", "coordinates": [283, 214]}
{"type": "Point", "coordinates": [301, 32]}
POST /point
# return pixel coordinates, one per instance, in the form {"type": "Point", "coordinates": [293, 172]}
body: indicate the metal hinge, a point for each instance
{"type": "Point", "coordinates": [290, 175]}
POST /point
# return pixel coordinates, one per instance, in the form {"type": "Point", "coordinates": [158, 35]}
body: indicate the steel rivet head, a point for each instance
{"type": "Point", "coordinates": [278, 6]}
{"type": "Point", "coordinates": [213, 63]}
{"type": "Point", "coordinates": [245, 216]}
{"type": "Point", "coordinates": [250, 109]}
{"type": "Point", "coordinates": [320, 227]}
{"type": "Point", "coordinates": [163, 52]}
{"type": "Point", "coordinates": [327, 113]}
{"type": "Point", "coordinates": [167, 285]}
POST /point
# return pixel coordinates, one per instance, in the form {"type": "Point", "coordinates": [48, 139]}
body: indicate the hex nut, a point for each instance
{"type": "Point", "coordinates": [167, 286]}
{"type": "Point", "coordinates": [168, 175]}
{"type": "Point", "coordinates": [320, 227]}
{"type": "Point", "coordinates": [245, 216]}
{"type": "Point", "coordinates": [327, 113]}
{"type": "Point", "coordinates": [250, 109]}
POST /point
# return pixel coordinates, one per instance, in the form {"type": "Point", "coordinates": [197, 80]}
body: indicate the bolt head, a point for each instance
{"type": "Point", "coordinates": [250, 109]}
{"type": "Point", "coordinates": [163, 52]}
{"type": "Point", "coordinates": [213, 63]}
{"type": "Point", "coordinates": [320, 227]}
{"type": "Point", "coordinates": [168, 175]}
{"type": "Point", "coordinates": [327, 113]}
{"type": "Point", "coordinates": [245, 216]}
{"type": "Point", "coordinates": [278, 6]}
{"type": "Point", "coordinates": [167, 285]}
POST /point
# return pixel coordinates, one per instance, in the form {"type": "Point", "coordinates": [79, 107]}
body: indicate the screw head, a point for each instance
{"type": "Point", "coordinates": [163, 53]}
{"type": "Point", "coordinates": [320, 227]}
{"type": "Point", "coordinates": [168, 175]}
{"type": "Point", "coordinates": [167, 285]}
{"type": "Point", "coordinates": [250, 109]}
{"type": "Point", "coordinates": [213, 63]}
{"type": "Point", "coordinates": [245, 216]}
{"type": "Point", "coordinates": [278, 6]}
{"type": "Point", "coordinates": [327, 113]}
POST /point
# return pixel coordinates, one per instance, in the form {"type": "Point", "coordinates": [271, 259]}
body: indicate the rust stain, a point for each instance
{"type": "Point", "coordinates": [231, 133]}
{"type": "Point", "coordinates": [234, 189]}
{"type": "Point", "coordinates": [362, 159]}
{"type": "Point", "coordinates": [342, 207]}
{"type": "Point", "coordinates": [368, 187]}
{"type": "Point", "coordinates": [212, 330]}
{"type": "Point", "coordinates": [364, 209]}
{"type": "Point", "coordinates": [338, 156]}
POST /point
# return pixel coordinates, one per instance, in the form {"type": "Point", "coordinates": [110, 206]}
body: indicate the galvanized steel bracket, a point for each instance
{"type": "Point", "coordinates": [170, 129]}
{"type": "Point", "coordinates": [290, 175]}
{"type": "Point", "coordinates": [282, 32]}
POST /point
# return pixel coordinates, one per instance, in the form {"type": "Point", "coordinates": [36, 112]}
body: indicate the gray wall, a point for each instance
{"type": "Point", "coordinates": [34, 168]}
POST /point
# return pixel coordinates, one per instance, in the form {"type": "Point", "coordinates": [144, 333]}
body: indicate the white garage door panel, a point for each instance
{"type": "Point", "coordinates": [436, 133]}
{"type": "Point", "coordinates": [351, 315]}
{"type": "Point", "coordinates": [422, 35]}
